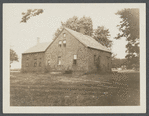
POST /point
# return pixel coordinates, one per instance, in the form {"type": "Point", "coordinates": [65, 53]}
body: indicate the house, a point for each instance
{"type": "Point", "coordinates": [70, 50]}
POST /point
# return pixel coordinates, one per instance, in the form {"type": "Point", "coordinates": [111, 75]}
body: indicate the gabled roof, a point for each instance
{"type": "Point", "coordinates": [41, 47]}
{"type": "Point", "coordinates": [84, 39]}
{"type": "Point", "coordinates": [88, 41]}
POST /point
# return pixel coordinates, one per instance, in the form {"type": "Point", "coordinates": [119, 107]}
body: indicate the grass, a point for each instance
{"type": "Point", "coordinates": [117, 89]}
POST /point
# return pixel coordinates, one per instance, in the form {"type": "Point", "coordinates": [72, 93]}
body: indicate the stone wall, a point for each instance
{"type": "Point", "coordinates": [66, 52]}
{"type": "Point", "coordinates": [99, 60]}
{"type": "Point", "coordinates": [33, 62]}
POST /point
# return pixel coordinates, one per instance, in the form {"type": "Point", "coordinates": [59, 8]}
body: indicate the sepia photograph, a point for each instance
{"type": "Point", "coordinates": [73, 56]}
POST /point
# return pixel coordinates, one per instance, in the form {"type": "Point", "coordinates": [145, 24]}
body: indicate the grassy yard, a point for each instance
{"type": "Point", "coordinates": [30, 89]}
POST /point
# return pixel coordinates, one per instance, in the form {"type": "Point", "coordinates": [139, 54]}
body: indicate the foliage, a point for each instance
{"type": "Point", "coordinates": [113, 56]}
{"type": "Point", "coordinates": [13, 56]}
{"type": "Point", "coordinates": [30, 13]}
{"type": "Point", "coordinates": [75, 24]}
{"type": "Point", "coordinates": [129, 28]}
{"type": "Point", "coordinates": [102, 36]}
{"type": "Point", "coordinates": [117, 63]}
{"type": "Point", "coordinates": [68, 72]}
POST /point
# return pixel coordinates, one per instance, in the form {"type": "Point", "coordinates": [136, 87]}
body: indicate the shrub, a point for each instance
{"type": "Point", "coordinates": [68, 72]}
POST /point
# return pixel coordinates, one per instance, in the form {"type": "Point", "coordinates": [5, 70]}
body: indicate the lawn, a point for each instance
{"type": "Point", "coordinates": [117, 89]}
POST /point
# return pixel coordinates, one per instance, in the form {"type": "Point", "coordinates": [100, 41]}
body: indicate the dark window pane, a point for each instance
{"type": "Point", "coordinates": [74, 61]}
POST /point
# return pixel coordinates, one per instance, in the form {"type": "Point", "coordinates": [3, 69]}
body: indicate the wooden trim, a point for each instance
{"type": "Point", "coordinates": [33, 52]}
{"type": "Point", "coordinates": [99, 50]}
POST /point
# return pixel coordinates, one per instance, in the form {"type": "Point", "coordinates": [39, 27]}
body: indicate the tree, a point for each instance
{"type": "Point", "coordinates": [113, 56]}
{"type": "Point", "coordinates": [75, 24]}
{"type": "Point", "coordinates": [13, 56]}
{"type": "Point", "coordinates": [30, 13]}
{"type": "Point", "coordinates": [129, 28]}
{"type": "Point", "coordinates": [118, 63]}
{"type": "Point", "coordinates": [102, 36]}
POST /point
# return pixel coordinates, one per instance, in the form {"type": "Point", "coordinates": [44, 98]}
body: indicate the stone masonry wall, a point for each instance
{"type": "Point", "coordinates": [33, 62]}
{"type": "Point", "coordinates": [73, 47]}
{"type": "Point", "coordinates": [104, 60]}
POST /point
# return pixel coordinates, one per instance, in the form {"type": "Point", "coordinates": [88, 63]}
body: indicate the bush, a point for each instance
{"type": "Point", "coordinates": [68, 72]}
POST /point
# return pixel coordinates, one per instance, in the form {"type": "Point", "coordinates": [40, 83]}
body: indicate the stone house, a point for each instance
{"type": "Point", "coordinates": [70, 50]}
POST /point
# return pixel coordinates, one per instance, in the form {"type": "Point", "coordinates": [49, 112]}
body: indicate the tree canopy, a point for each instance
{"type": "Point", "coordinates": [129, 28]}
{"type": "Point", "coordinates": [102, 36]}
{"type": "Point", "coordinates": [75, 24]}
{"type": "Point", "coordinates": [13, 56]}
{"type": "Point", "coordinates": [117, 63]}
{"type": "Point", "coordinates": [30, 13]}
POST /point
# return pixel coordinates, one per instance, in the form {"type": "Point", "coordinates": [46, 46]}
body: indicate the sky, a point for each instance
{"type": "Point", "coordinates": [22, 36]}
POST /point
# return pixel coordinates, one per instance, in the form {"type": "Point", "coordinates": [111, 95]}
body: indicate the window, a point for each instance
{"type": "Point", "coordinates": [60, 43]}
{"type": "Point", "coordinates": [75, 57]}
{"type": "Point", "coordinates": [48, 62]}
{"type": "Point", "coordinates": [59, 60]}
{"type": "Point", "coordinates": [35, 64]}
{"type": "Point", "coordinates": [64, 34]}
{"type": "Point", "coordinates": [39, 64]}
{"type": "Point", "coordinates": [75, 60]}
{"type": "Point", "coordinates": [94, 59]}
{"type": "Point", "coordinates": [64, 43]}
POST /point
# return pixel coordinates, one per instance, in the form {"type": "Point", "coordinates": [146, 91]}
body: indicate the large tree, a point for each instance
{"type": "Point", "coordinates": [129, 28]}
{"type": "Point", "coordinates": [75, 24]}
{"type": "Point", "coordinates": [101, 34]}
{"type": "Point", "coordinates": [13, 56]}
{"type": "Point", "coordinates": [30, 13]}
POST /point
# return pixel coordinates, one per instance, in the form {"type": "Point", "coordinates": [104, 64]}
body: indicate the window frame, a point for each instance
{"type": "Point", "coordinates": [64, 44]}
{"type": "Point", "coordinates": [59, 61]}
{"type": "Point", "coordinates": [35, 62]}
{"type": "Point", "coordinates": [75, 59]}
{"type": "Point", "coordinates": [48, 62]}
{"type": "Point", "coordinates": [60, 43]}
{"type": "Point", "coordinates": [64, 35]}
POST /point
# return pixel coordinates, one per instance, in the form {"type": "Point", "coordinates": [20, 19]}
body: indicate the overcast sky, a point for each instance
{"type": "Point", "coordinates": [22, 36]}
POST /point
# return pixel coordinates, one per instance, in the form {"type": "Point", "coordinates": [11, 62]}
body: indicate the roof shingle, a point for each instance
{"type": "Point", "coordinates": [88, 41]}
{"type": "Point", "coordinates": [41, 47]}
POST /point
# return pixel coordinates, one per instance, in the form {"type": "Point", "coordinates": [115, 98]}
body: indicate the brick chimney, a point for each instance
{"type": "Point", "coordinates": [82, 30]}
{"type": "Point", "coordinates": [38, 40]}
